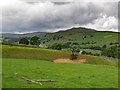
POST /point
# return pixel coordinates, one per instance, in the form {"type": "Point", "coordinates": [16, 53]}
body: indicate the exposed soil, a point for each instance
{"type": "Point", "coordinates": [60, 60]}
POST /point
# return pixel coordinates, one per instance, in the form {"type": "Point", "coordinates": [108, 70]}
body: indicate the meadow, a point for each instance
{"type": "Point", "coordinates": [65, 75]}
{"type": "Point", "coordinates": [37, 64]}
{"type": "Point", "coordinates": [9, 51]}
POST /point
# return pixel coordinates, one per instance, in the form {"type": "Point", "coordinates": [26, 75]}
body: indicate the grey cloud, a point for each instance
{"type": "Point", "coordinates": [51, 16]}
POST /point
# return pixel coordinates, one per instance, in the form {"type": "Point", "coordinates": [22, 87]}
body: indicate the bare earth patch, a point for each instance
{"type": "Point", "coordinates": [60, 60]}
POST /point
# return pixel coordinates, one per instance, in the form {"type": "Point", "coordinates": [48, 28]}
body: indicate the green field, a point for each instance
{"type": "Point", "coordinates": [66, 75]}
{"type": "Point", "coordinates": [32, 53]}
{"type": "Point", "coordinates": [36, 64]}
{"type": "Point", "coordinates": [49, 55]}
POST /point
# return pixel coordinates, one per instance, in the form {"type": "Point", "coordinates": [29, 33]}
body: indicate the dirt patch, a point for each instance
{"type": "Point", "coordinates": [69, 61]}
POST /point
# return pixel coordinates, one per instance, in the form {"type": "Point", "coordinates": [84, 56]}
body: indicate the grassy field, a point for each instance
{"type": "Point", "coordinates": [66, 75]}
{"type": "Point", "coordinates": [32, 53]}
{"type": "Point", "coordinates": [36, 63]}
{"type": "Point", "coordinates": [49, 55]}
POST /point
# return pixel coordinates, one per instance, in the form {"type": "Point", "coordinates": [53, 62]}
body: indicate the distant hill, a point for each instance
{"type": "Point", "coordinates": [22, 35]}
{"type": "Point", "coordinates": [78, 29]}
{"type": "Point", "coordinates": [83, 37]}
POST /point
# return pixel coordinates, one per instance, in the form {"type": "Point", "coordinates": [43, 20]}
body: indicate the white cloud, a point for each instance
{"type": "Point", "coordinates": [108, 23]}
{"type": "Point", "coordinates": [20, 16]}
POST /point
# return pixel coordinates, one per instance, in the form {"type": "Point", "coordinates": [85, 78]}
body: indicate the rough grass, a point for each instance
{"type": "Point", "coordinates": [49, 55]}
{"type": "Point", "coordinates": [66, 75]}
{"type": "Point", "coordinates": [32, 53]}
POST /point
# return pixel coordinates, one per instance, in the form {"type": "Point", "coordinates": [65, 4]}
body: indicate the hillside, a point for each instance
{"type": "Point", "coordinates": [49, 55]}
{"type": "Point", "coordinates": [83, 36]}
{"type": "Point", "coordinates": [89, 40]}
{"type": "Point", "coordinates": [37, 64]}
{"type": "Point", "coordinates": [10, 35]}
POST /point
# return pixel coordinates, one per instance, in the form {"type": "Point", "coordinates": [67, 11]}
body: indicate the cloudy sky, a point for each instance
{"type": "Point", "coordinates": [23, 16]}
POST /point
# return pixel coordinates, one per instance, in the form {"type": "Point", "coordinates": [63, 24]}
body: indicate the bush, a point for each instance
{"type": "Point", "coordinates": [74, 51]}
{"type": "Point", "coordinates": [113, 51]}
{"type": "Point", "coordinates": [66, 45]}
{"type": "Point", "coordinates": [34, 40]}
{"type": "Point", "coordinates": [24, 41]}
{"type": "Point", "coordinates": [56, 46]}
{"type": "Point", "coordinates": [95, 47]}
{"type": "Point", "coordinates": [73, 56]}
{"type": "Point", "coordinates": [83, 52]}
{"type": "Point", "coordinates": [104, 46]}
{"type": "Point", "coordinates": [77, 50]}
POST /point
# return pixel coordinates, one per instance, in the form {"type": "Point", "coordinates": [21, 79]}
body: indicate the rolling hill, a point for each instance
{"type": "Point", "coordinates": [81, 35]}
{"type": "Point", "coordinates": [37, 64]}
{"type": "Point", "coordinates": [21, 35]}
{"type": "Point", "coordinates": [86, 39]}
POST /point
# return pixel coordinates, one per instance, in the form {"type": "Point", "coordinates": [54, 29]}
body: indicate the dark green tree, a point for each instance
{"type": "Point", "coordinates": [104, 46]}
{"type": "Point", "coordinates": [113, 51]}
{"type": "Point", "coordinates": [24, 41]}
{"type": "Point", "coordinates": [74, 52]}
{"type": "Point", "coordinates": [34, 40]}
{"type": "Point", "coordinates": [57, 46]}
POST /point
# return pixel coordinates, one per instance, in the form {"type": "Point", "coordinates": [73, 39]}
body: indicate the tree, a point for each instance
{"type": "Point", "coordinates": [34, 40]}
{"type": "Point", "coordinates": [74, 51]}
{"type": "Point", "coordinates": [77, 50]}
{"type": "Point", "coordinates": [57, 46]}
{"type": "Point", "coordinates": [24, 41]}
{"type": "Point", "coordinates": [104, 46]}
{"type": "Point", "coordinates": [113, 51]}
{"type": "Point", "coordinates": [66, 45]}
{"type": "Point", "coordinates": [91, 35]}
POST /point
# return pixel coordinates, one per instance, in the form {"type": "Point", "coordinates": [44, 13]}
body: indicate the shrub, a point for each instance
{"type": "Point", "coordinates": [113, 51]}
{"type": "Point", "coordinates": [83, 52]}
{"type": "Point", "coordinates": [34, 40]}
{"type": "Point", "coordinates": [73, 56]}
{"type": "Point", "coordinates": [56, 46]}
{"type": "Point", "coordinates": [74, 51]}
{"type": "Point", "coordinates": [66, 45]}
{"type": "Point", "coordinates": [104, 46]}
{"type": "Point", "coordinates": [77, 50]}
{"type": "Point", "coordinates": [75, 43]}
{"type": "Point", "coordinates": [24, 41]}
{"type": "Point", "coordinates": [91, 35]}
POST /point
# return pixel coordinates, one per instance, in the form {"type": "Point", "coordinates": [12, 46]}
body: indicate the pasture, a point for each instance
{"type": "Point", "coordinates": [37, 64]}
{"type": "Point", "coordinates": [65, 75]}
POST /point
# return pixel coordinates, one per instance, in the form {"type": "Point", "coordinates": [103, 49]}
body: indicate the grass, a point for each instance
{"type": "Point", "coordinates": [36, 63]}
{"type": "Point", "coordinates": [66, 75]}
{"type": "Point", "coordinates": [32, 53]}
{"type": "Point", "coordinates": [101, 38]}
{"type": "Point", "coordinates": [49, 55]}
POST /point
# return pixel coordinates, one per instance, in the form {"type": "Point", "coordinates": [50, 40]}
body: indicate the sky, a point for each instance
{"type": "Point", "coordinates": [25, 16]}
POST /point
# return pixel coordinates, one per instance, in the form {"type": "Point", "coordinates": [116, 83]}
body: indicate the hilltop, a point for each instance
{"type": "Point", "coordinates": [83, 36]}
